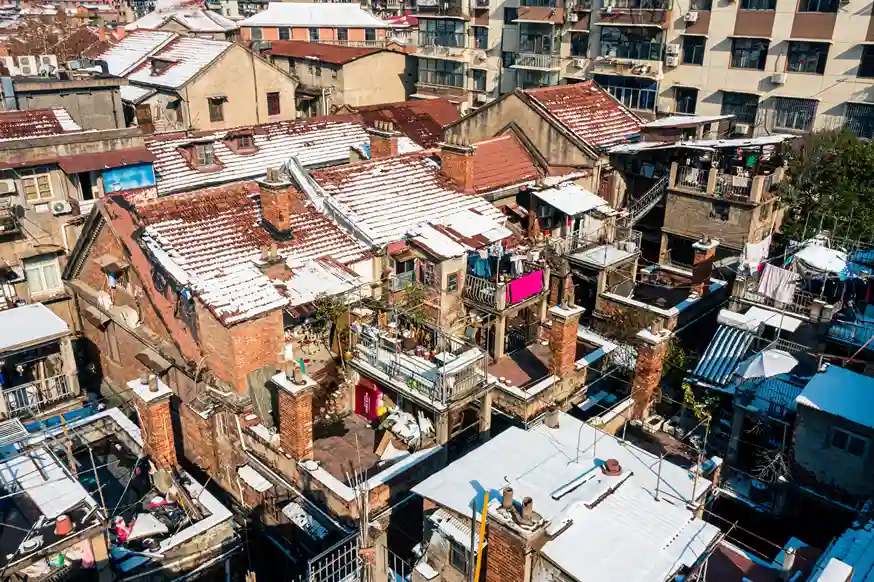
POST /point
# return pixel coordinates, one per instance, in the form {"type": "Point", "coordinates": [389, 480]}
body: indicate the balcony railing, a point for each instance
{"type": "Point", "coordinates": [692, 178]}
{"type": "Point", "coordinates": [722, 185]}
{"type": "Point", "coordinates": [451, 40]}
{"type": "Point", "coordinates": [636, 4]}
{"type": "Point", "coordinates": [537, 61]}
{"type": "Point", "coordinates": [800, 304]}
{"type": "Point", "coordinates": [403, 280]}
{"type": "Point", "coordinates": [31, 398]}
{"type": "Point", "coordinates": [378, 43]}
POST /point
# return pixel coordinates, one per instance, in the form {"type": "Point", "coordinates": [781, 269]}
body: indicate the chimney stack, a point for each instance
{"type": "Point", "coordinates": [456, 156]}
{"type": "Point", "coordinates": [527, 510]}
{"type": "Point", "coordinates": [552, 416]}
{"type": "Point", "coordinates": [705, 250]}
{"type": "Point", "coordinates": [651, 351]}
{"type": "Point", "coordinates": [295, 399]}
{"type": "Point", "coordinates": [507, 498]}
{"type": "Point", "coordinates": [563, 339]}
{"type": "Point", "coordinates": [383, 140]}
{"type": "Point", "coordinates": [279, 203]}
{"type": "Point", "coordinates": [152, 401]}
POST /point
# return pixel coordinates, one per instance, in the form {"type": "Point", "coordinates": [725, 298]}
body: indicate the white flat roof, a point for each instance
{"type": "Point", "coordinates": [841, 393]}
{"type": "Point", "coordinates": [602, 256]}
{"type": "Point", "coordinates": [29, 324]}
{"type": "Point", "coordinates": [310, 15]}
{"type": "Point", "coordinates": [44, 481]}
{"type": "Point", "coordinates": [572, 199]}
{"type": "Point", "coordinates": [684, 120]}
{"type": "Point", "coordinates": [772, 318]}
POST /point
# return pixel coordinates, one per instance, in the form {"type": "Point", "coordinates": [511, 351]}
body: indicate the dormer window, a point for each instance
{"type": "Point", "coordinates": [245, 142]}
{"type": "Point", "coordinates": [241, 141]}
{"type": "Point", "coordinates": [204, 155]}
{"type": "Point", "coordinates": [159, 65]}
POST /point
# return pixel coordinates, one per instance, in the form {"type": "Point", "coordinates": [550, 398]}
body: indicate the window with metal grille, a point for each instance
{"type": "Point", "coordinates": [749, 53]}
{"type": "Point", "coordinates": [440, 72]}
{"type": "Point", "coordinates": [807, 57]}
{"type": "Point", "coordinates": [742, 105]}
{"type": "Point", "coordinates": [284, 33]}
{"type": "Point", "coordinates": [459, 556]}
{"type": "Point", "coordinates": [818, 6]}
{"type": "Point", "coordinates": [342, 34]}
{"type": "Point", "coordinates": [36, 186]}
{"type": "Point", "coordinates": [860, 119]}
{"type": "Point", "coordinates": [693, 49]}
{"type": "Point", "coordinates": [314, 34]}
{"type": "Point", "coordinates": [273, 104]}
{"type": "Point", "coordinates": [687, 99]}
{"type": "Point", "coordinates": [481, 37]}
{"type": "Point", "coordinates": [866, 63]}
{"type": "Point", "coordinates": [758, 4]}
{"type": "Point", "coordinates": [216, 108]}
{"type": "Point", "coordinates": [627, 42]}
{"type": "Point", "coordinates": [795, 114]}
{"type": "Point", "coordinates": [436, 32]}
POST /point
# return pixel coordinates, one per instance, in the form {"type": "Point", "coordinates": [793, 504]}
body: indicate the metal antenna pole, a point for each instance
{"type": "Point", "coordinates": [659, 477]}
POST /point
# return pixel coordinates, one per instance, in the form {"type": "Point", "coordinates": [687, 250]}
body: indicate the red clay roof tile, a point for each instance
{"type": "Point", "coordinates": [325, 53]}
{"type": "Point", "coordinates": [502, 161]}
{"type": "Point", "coordinates": [420, 120]}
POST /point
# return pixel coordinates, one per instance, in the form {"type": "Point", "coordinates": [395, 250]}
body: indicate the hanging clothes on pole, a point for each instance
{"type": "Point", "coordinates": [777, 283]}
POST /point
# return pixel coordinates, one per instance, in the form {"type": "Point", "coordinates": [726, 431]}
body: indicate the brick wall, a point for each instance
{"type": "Point", "coordinates": [198, 438]}
{"type": "Point", "coordinates": [157, 428]}
{"type": "Point", "coordinates": [647, 377]}
{"type": "Point", "coordinates": [458, 166]}
{"type": "Point", "coordinates": [691, 215]}
{"type": "Point", "coordinates": [563, 344]}
{"type": "Point", "coordinates": [505, 560]}
{"type": "Point", "coordinates": [296, 423]}
{"type": "Point", "coordinates": [383, 146]}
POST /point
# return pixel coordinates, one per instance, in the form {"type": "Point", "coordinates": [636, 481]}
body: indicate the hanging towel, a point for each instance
{"type": "Point", "coordinates": [778, 284]}
{"type": "Point", "coordinates": [483, 254]}
{"type": "Point", "coordinates": [754, 254]}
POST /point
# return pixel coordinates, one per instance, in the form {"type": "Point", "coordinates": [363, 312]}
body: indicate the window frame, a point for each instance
{"type": "Point", "coordinates": [202, 152]}
{"type": "Point", "coordinates": [314, 37]}
{"type": "Point", "coordinates": [478, 41]}
{"type": "Point", "coordinates": [343, 34]}
{"type": "Point", "coordinates": [695, 49]}
{"type": "Point", "coordinates": [369, 34]}
{"type": "Point", "coordinates": [457, 550]}
{"type": "Point", "coordinates": [850, 438]}
{"type": "Point", "coordinates": [437, 72]}
{"type": "Point", "coordinates": [758, 5]}
{"type": "Point", "coordinates": [867, 53]}
{"type": "Point", "coordinates": [742, 58]}
{"type": "Point", "coordinates": [795, 50]}
{"type": "Point", "coordinates": [287, 33]}
{"type": "Point", "coordinates": [732, 110]}
{"type": "Point", "coordinates": [274, 106]}
{"type": "Point", "coordinates": [32, 175]}
{"type": "Point", "coordinates": [678, 99]}
{"type": "Point", "coordinates": [479, 80]}
{"type": "Point", "coordinates": [257, 33]}
{"type": "Point", "coordinates": [585, 45]}
{"type": "Point", "coordinates": [805, 6]}
{"type": "Point", "coordinates": [452, 281]}
{"type": "Point", "coordinates": [216, 107]}
{"type": "Point", "coordinates": [38, 265]}
{"type": "Point", "coordinates": [796, 115]}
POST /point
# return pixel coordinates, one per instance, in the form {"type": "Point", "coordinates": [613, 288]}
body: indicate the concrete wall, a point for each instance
{"type": "Point", "coordinates": [92, 108]}
{"type": "Point", "coordinates": [689, 216]}
{"type": "Point", "coordinates": [358, 78]}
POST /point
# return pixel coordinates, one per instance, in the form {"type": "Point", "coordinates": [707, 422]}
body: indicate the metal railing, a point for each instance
{"type": "Point", "coordinates": [399, 570]}
{"type": "Point", "coordinates": [733, 186]}
{"type": "Point", "coordinates": [639, 207]}
{"type": "Point", "coordinates": [403, 280]}
{"type": "Point", "coordinates": [480, 290]}
{"type": "Point", "coordinates": [32, 397]}
{"type": "Point", "coordinates": [449, 39]}
{"type": "Point", "coordinates": [537, 61]}
{"type": "Point", "coordinates": [354, 43]}
{"type": "Point", "coordinates": [640, 50]}
{"type": "Point", "coordinates": [441, 78]}
{"type": "Point", "coordinates": [636, 4]}
{"type": "Point", "coordinates": [801, 300]}
{"type": "Point", "coordinates": [693, 178]}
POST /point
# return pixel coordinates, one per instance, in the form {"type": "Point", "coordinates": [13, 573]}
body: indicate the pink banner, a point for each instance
{"type": "Point", "coordinates": [520, 289]}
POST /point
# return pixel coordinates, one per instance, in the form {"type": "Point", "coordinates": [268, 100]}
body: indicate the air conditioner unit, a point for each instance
{"type": "Point", "coordinates": [10, 65]}
{"type": "Point", "coordinates": [672, 49]}
{"type": "Point", "coordinates": [609, 10]}
{"type": "Point", "coordinates": [27, 65]}
{"type": "Point", "coordinates": [691, 17]}
{"type": "Point", "coordinates": [481, 98]}
{"type": "Point", "coordinates": [580, 63]}
{"type": "Point", "coordinates": [778, 78]}
{"type": "Point", "coordinates": [742, 128]}
{"type": "Point", "coordinates": [48, 64]}
{"type": "Point", "coordinates": [61, 207]}
{"type": "Point", "coordinates": [574, 17]}
{"type": "Point", "coordinates": [672, 60]}
{"type": "Point", "coordinates": [7, 187]}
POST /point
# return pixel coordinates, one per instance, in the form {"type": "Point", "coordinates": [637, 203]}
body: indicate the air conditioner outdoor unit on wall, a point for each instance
{"type": "Point", "coordinates": [742, 128]}
{"type": "Point", "coordinates": [27, 65]}
{"type": "Point", "coordinates": [691, 17]}
{"type": "Point", "coordinates": [778, 78]}
{"type": "Point", "coordinates": [61, 207]}
{"type": "Point", "coordinates": [7, 187]}
{"type": "Point", "coordinates": [672, 49]}
{"type": "Point", "coordinates": [672, 60]}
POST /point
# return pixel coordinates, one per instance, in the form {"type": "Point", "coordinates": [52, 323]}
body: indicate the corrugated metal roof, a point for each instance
{"type": "Point", "coordinates": [572, 199]}
{"type": "Point", "coordinates": [134, 93]}
{"type": "Point", "coordinates": [187, 56]}
{"type": "Point", "coordinates": [775, 391]}
{"type": "Point", "coordinates": [133, 48]}
{"type": "Point", "coordinates": [193, 18]}
{"type": "Point", "coordinates": [589, 112]}
{"type": "Point", "coordinates": [316, 14]}
{"type": "Point", "coordinates": [457, 529]}
{"type": "Point", "coordinates": [727, 348]}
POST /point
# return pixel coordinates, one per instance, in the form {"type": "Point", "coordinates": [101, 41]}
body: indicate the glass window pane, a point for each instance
{"type": "Point", "coordinates": [840, 439]}
{"type": "Point", "coordinates": [50, 276]}
{"type": "Point", "coordinates": [34, 279]}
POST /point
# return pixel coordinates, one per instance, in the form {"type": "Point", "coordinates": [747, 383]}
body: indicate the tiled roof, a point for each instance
{"type": "Point", "coordinates": [502, 161]}
{"type": "Point", "coordinates": [422, 119]}
{"type": "Point", "coordinates": [187, 56]}
{"type": "Point", "coordinates": [388, 197]}
{"type": "Point", "coordinates": [326, 53]}
{"type": "Point", "coordinates": [132, 49]}
{"type": "Point", "coordinates": [315, 142]}
{"type": "Point", "coordinates": [210, 238]}
{"type": "Point", "coordinates": [314, 14]}
{"type": "Point", "coordinates": [540, 14]}
{"type": "Point", "coordinates": [35, 123]}
{"type": "Point", "coordinates": [194, 19]}
{"type": "Point", "coordinates": [588, 112]}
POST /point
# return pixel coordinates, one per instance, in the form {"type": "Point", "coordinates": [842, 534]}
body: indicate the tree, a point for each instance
{"type": "Point", "coordinates": [58, 35]}
{"type": "Point", "coordinates": [830, 183]}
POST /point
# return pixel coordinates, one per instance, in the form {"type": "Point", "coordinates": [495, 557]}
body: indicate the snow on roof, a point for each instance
{"type": "Point", "coordinates": [684, 120]}
{"type": "Point", "coordinates": [318, 14]}
{"type": "Point", "coordinates": [840, 392]}
{"type": "Point", "coordinates": [45, 482]}
{"type": "Point", "coordinates": [134, 93]}
{"type": "Point", "coordinates": [193, 19]}
{"type": "Point", "coordinates": [560, 470]}
{"type": "Point", "coordinates": [699, 144]}
{"type": "Point", "coordinates": [323, 276]}
{"type": "Point", "coordinates": [458, 233]}
{"type": "Point", "coordinates": [29, 324]}
{"type": "Point", "coordinates": [211, 239]}
{"type": "Point", "coordinates": [132, 49]}
{"type": "Point", "coordinates": [186, 57]}
{"type": "Point", "coordinates": [254, 479]}
{"type": "Point", "coordinates": [572, 199]}
{"type": "Point", "coordinates": [314, 142]}
{"type": "Point", "coordinates": [387, 198]}
{"type": "Point", "coordinates": [589, 112]}
{"type": "Point", "coordinates": [852, 549]}
{"type": "Point", "coordinates": [36, 123]}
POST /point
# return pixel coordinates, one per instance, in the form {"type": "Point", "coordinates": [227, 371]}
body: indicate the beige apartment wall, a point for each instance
{"type": "Point", "coordinates": [837, 86]}
{"type": "Point", "coordinates": [246, 97]}
{"type": "Point", "coordinates": [357, 80]}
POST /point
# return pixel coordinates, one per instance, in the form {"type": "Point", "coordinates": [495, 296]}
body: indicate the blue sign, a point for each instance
{"type": "Point", "coordinates": [128, 178]}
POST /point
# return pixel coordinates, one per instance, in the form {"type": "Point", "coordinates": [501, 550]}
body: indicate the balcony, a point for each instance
{"type": "Point", "coordinates": [440, 8]}
{"type": "Point", "coordinates": [710, 181]}
{"type": "Point", "coordinates": [403, 280]}
{"type": "Point", "coordinates": [481, 3]}
{"type": "Point", "coordinates": [32, 398]}
{"type": "Point", "coordinates": [378, 43]}
{"type": "Point", "coordinates": [495, 295]}
{"type": "Point", "coordinates": [600, 249]}
{"type": "Point", "coordinates": [435, 381]}
{"type": "Point", "coordinates": [638, 65]}
{"type": "Point", "coordinates": [537, 62]}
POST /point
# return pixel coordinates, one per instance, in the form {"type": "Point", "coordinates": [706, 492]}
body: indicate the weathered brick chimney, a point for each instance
{"type": "Point", "coordinates": [383, 140]}
{"type": "Point", "coordinates": [295, 413]}
{"type": "Point", "coordinates": [152, 400]}
{"type": "Point", "coordinates": [651, 350]}
{"type": "Point", "coordinates": [563, 339]}
{"type": "Point", "coordinates": [456, 156]}
{"type": "Point", "coordinates": [705, 251]}
{"type": "Point", "coordinates": [279, 203]}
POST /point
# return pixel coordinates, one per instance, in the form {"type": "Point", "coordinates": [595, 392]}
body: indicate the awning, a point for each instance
{"type": "Point", "coordinates": [153, 361]}
{"type": "Point", "coordinates": [629, 24]}
{"type": "Point", "coordinates": [760, 37]}
{"type": "Point", "coordinates": [95, 317]}
{"type": "Point", "coordinates": [105, 160]}
{"type": "Point", "coordinates": [727, 348]}
{"type": "Point", "coordinates": [704, 34]}
{"type": "Point", "coordinates": [453, 527]}
{"type": "Point", "coordinates": [773, 319]}
{"type": "Point", "coordinates": [571, 199]}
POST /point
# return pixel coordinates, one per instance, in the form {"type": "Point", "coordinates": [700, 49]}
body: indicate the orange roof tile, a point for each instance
{"type": "Point", "coordinates": [502, 161]}
{"type": "Point", "coordinates": [325, 53]}
{"type": "Point", "coordinates": [420, 120]}
{"type": "Point", "coordinates": [541, 14]}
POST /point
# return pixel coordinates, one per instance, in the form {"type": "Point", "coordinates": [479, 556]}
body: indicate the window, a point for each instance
{"type": "Point", "coordinates": [818, 6]}
{"type": "Point", "coordinates": [245, 142]}
{"type": "Point", "coordinates": [257, 34]}
{"type": "Point", "coordinates": [687, 98]}
{"type": "Point", "coordinates": [702, 5]}
{"type": "Point", "coordinates": [795, 114]}
{"type": "Point", "coordinates": [627, 42]}
{"type": "Point", "coordinates": [860, 119]}
{"type": "Point", "coordinates": [508, 59]}
{"type": "Point", "coordinates": [434, 32]}
{"type": "Point", "coordinates": [216, 108]}
{"type": "Point", "coordinates": [36, 187]}
{"type": "Point", "coordinates": [807, 57]}
{"type": "Point", "coordinates": [452, 282]}
{"type": "Point", "coordinates": [429, 273]}
{"type": "Point", "coordinates": [273, 104]}
{"type": "Point", "coordinates": [742, 105]}
{"type": "Point", "coordinates": [720, 210]}
{"type": "Point", "coordinates": [749, 53]}
{"type": "Point", "coordinates": [43, 274]}
{"type": "Point", "coordinates": [693, 49]}
{"type": "Point", "coordinates": [758, 4]}
{"type": "Point", "coordinates": [510, 14]}
{"type": "Point", "coordinates": [534, 39]}
{"type": "Point", "coordinates": [284, 33]}
{"type": "Point", "coordinates": [459, 557]}
{"type": "Point", "coordinates": [369, 34]}
{"type": "Point", "coordinates": [866, 64]}
{"type": "Point", "coordinates": [342, 34]}
{"type": "Point", "coordinates": [110, 338]}
{"type": "Point", "coordinates": [203, 155]}
{"type": "Point", "coordinates": [481, 37]}
{"type": "Point", "coordinates": [632, 92]}
{"type": "Point", "coordinates": [314, 33]}
{"type": "Point", "coordinates": [849, 442]}
{"type": "Point", "coordinates": [479, 80]}
{"type": "Point", "coordinates": [579, 44]}
{"type": "Point", "coordinates": [439, 72]}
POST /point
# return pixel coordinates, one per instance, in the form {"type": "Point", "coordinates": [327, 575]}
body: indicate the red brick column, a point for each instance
{"type": "Point", "coordinates": [152, 400]}
{"type": "Point", "coordinates": [705, 250]}
{"type": "Point", "coordinates": [648, 371]}
{"type": "Point", "coordinates": [295, 416]}
{"type": "Point", "coordinates": [383, 140]}
{"type": "Point", "coordinates": [563, 339]}
{"type": "Point", "coordinates": [505, 559]}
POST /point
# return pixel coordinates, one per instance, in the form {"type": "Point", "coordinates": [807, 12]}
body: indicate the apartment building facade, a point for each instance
{"type": "Point", "coordinates": [777, 65]}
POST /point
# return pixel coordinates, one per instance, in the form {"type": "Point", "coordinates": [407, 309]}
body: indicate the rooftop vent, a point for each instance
{"type": "Point", "coordinates": [612, 468]}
